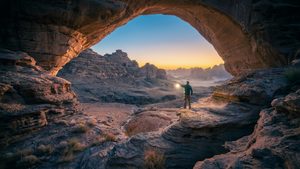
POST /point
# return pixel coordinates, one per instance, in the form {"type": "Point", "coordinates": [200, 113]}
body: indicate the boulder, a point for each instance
{"type": "Point", "coordinates": [255, 87]}
{"type": "Point", "coordinates": [273, 144]}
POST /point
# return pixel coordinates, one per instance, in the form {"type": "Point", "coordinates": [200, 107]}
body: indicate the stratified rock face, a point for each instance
{"type": "Point", "coordinates": [90, 64]}
{"type": "Point", "coordinates": [150, 71]}
{"type": "Point", "coordinates": [255, 87]}
{"type": "Point", "coordinates": [273, 144]}
{"type": "Point", "coordinates": [247, 34]}
{"type": "Point", "coordinates": [30, 98]}
{"type": "Point", "coordinates": [116, 78]}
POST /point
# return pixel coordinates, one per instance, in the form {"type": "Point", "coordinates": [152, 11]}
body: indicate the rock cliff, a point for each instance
{"type": "Point", "coordinates": [116, 78]}
{"type": "Point", "coordinates": [30, 98]}
{"type": "Point", "coordinates": [251, 121]}
{"type": "Point", "coordinates": [150, 71]}
{"type": "Point", "coordinates": [246, 34]}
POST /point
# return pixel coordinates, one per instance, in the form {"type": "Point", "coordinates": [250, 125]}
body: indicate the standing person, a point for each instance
{"type": "Point", "coordinates": [188, 91]}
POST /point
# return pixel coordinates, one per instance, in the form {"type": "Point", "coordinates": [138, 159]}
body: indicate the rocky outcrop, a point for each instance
{"type": "Point", "coordinates": [246, 34]}
{"type": "Point", "coordinates": [116, 78]}
{"type": "Point", "coordinates": [150, 71]}
{"type": "Point", "coordinates": [256, 87]}
{"type": "Point", "coordinates": [91, 65]}
{"type": "Point", "coordinates": [203, 132]}
{"type": "Point", "coordinates": [30, 98]}
{"type": "Point", "coordinates": [198, 134]}
{"type": "Point", "coordinates": [217, 132]}
{"type": "Point", "coordinates": [273, 144]}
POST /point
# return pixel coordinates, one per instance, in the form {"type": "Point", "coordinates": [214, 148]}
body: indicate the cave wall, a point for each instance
{"type": "Point", "coordinates": [248, 34]}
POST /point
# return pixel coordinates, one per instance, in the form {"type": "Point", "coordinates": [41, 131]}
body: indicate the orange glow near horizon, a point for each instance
{"type": "Point", "coordinates": [165, 41]}
{"type": "Point", "coordinates": [188, 57]}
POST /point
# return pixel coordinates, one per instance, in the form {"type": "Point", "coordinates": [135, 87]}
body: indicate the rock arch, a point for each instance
{"type": "Point", "coordinates": [55, 31]}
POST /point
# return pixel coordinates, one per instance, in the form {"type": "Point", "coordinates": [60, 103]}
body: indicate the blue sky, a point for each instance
{"type": "Point", "coordinates": [163, 40]}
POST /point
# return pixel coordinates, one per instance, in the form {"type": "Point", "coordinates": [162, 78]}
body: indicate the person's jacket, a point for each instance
{"type": "Point", "coordinates": [187, 89]}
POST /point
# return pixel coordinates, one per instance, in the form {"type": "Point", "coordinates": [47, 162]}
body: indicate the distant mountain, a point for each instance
{"type": "Point", "coordinates": [115, 66]}
{"type": "Point", "coordinates": [216, 72]}
{"type": "Point", "coordinates": [115, 78]}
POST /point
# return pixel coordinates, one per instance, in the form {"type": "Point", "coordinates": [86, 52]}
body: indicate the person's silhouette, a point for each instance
{"type": "Point", "coordinates": [188, 91]}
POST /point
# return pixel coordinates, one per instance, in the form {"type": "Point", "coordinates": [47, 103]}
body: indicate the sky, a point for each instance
{"type": "Point", "coordinates": [163, 40]}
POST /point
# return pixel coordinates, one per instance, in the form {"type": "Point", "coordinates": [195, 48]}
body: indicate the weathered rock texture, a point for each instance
{"type": "Point", "coordinates": [152, 72]}
{"type": "Point", "coordinates": [29, 98]}
{"type": "Point", "coordinates": [273, 144]}
{"type": "Point", "coordinates": [116, 78]}
{"type": "Point", "coordinates": [247, 34]}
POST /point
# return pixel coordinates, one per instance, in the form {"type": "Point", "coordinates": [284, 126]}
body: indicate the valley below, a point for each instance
{"type": "Point", "coordinates": [64, 106]}
{"type": "Point", "coordinates": [249, 120]}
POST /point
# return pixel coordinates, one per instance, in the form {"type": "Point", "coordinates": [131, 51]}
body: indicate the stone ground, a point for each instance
{"type": "Point", "coordinates": [235, 127]}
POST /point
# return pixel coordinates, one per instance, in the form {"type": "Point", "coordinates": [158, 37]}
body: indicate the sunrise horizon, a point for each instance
{"type": "Point", "coordinates": [162, 40]}
{"type": "Point", "coordinates": [174, 67]}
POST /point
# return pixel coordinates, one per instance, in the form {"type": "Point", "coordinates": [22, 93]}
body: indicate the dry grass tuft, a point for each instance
{"type": "Point", "coordinates": [25, 152]}
{"type": "Point", "coordinates": [73, 146]}
{"type": "Point", "coordinates": [45, 149]}
{"type": "Point", "coordinates": [67, 156]}
{"type": "Point", "coordinates": [81, 128]}
{"type": "Point", "coordinates": [154, 159]}
{"type": "Point", "coordinates": [92, 122]}
{"type": "Point", "coordinates": [29, 160]}
{"type": "Point", "coordinates": [62, 122]}
{"type": "Point", "coordinates": [109, 137]}
{"type": "Point", "coordinates": [98, 141]}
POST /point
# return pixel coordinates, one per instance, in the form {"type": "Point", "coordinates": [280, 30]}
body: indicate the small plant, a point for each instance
{"type": "Point", "coordinates": [62, 122]}
{"type": "Point", "coordinates": [92, 122]}
{"type": "Point", "coordinates": [109, 137]}
{"type": "Point", "coordinates": [45, 149]}
{"type": "Point", "coordinates": [67, 156]}
{"type": "Point", "coordinates": [98, 141]}
{"type": "Point", "coordinates": [73, 145]}
{"type": "Point", "coordinates": [29, 160]}
{"type": "Point", "coordinates": [293, 75]}
{"type": "Point", "coordinates": [154, 159]}
{"type": "Point", "coordinates": [25, 152]}
{"type": "Point", "coordinates": [81, 128]}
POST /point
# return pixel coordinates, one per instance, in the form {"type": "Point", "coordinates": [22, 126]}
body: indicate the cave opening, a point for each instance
{"type": "Point", "coordinates": [140, 62]}
{"type": "Point", "coordinates": [116, 124]}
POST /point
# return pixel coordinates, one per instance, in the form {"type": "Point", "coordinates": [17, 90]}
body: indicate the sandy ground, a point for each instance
{"type": "Point", "coordinates": [111, 114]}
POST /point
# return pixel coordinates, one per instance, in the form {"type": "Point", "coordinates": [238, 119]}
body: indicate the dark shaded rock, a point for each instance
{"type": "Point", "coordinates": [29, 97]}
{"type": "Point", "coordinates": [289, 103]}
{"type": "Point", "coordinates": [273, 144]}
{"type": "Point", "coordinates": [258, 87]}
{"type": "Point", "coordinates": [198, 134]}
{"type": "Point", "coordinates": [116, 78]}
{"type": "Point", "coordinates": [246, 34]}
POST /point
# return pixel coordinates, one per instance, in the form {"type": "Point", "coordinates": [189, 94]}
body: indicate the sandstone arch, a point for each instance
{"type": "Point", "coordinates": [55, 31]}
